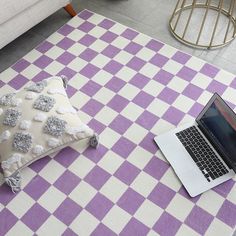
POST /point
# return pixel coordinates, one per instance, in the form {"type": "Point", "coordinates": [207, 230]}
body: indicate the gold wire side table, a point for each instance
{"type": "Point", "coordinates": [204, 24]}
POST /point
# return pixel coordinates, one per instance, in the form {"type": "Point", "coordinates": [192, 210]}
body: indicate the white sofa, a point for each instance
{"type": "Point", "coordinates": [18, 16]}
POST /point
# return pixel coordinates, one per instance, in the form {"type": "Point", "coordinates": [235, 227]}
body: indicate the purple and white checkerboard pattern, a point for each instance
{"type": "Point", "coordinates": [128, 87]}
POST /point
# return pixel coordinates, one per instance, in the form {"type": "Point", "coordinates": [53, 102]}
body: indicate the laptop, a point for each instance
{"type": "Point", "coordinates": [203, 153]}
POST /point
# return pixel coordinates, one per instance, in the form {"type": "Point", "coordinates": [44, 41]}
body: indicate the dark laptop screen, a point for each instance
{"type": "Point", "coordinates": [221, 123]}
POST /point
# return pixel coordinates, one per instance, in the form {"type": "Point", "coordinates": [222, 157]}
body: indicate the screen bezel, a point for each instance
{"type": "Point", "coordinates": [210, 136]}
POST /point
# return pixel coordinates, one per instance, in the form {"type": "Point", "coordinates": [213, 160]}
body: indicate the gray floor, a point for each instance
{"type": "Point", "coordinates": [148, 16]}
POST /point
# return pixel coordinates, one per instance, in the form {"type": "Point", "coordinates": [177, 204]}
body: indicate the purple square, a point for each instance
{"type": "Point", "coordinates": [40, 164]}
{"type": "Point", "coordinates": [108, 37]}
{"type": "Point", "coordinates": [224, 188]}
{"type": "Point", "coordinates": [85, 14]}
{"type": "Point", "coordinates": [167, 225]}
{"type": "Point", "coordinates": [65, 43]}
{"type": "Point", "coordinates": [69, 73]}
{"type": "Point", "coordinates": [143, 99]}
{"type": "Point", "coordinates": [65, 30]}
{"type": "Point", "coordinates": [7, 221]}
{"type": "Point", "coordinates": [67, 182]}
{"type": "Point", "coordinates": [43, 62]}
{"type": "Point", "coordinates": [97, 126]}
{"type": "Point", "coordinates": [181, 57]}
{"type": "Point", "coordinates": [129, 34]}
{"type": "Point", "coordinates": [136, 63]}
{"type": "Point", "coordinates": [133, 48]}
{"type": "Point", "coordinates": [227, 213]}
{"type": "Point", "coordinates": [69, 232]}
{"type": "Point", "coordinates": [95, 155]}
{"type": "Point", "coordinates": [209, 70]}
{"type": "Point", "coordinates": [186, 73]}
{"type": "Point", "coordinates": [20, 65]}
{"type": "Point", "coordinates": [101, 229]}
{"type": "Point", "coordinates": [161, 195]}
{"type": "Point", "coordinates": [40, 76]}
{"type": "Point", "coordinates": [66, 156]}
{"type": "Point", "coordinates": [217, 87]}
{"type": "Point", "coordinates": [86, 26]}
{"type": "Point", "coordinates": [127, 173]}
{"type": "Point", "coordinates": [185, 194]}
{"type": "Point", "coordinates": [1, 83]}
{"type": "Point", "coordinates": [44, 46]}
{"type": "Point", "coordinates": [35, 217]}
{"type": "Point", "coordinates": [87, 40]}
{"type": "Point", "coordinates": [89, 71]}
{"type": "Point", "coordinates": [147, 120]}
{"type": "Point", "coordinates": [159, 60]}
{"type": "Point", "coordinates": [118, 103]}
{"type": "Point", "coordinates": [6, 195]}
{"type": "Point", "coordinates": [130, 201]}
{"type": "Point", "coordinates": [148, 143]}
{"type": "Point", "coordinates": [110, 51]}
{"type": "Point", "coordinates": [120, 124]}
{"type": "Point", "coordinates": [67, 211]}
{"type": "Point", "coordinates": [173, 115]}
{"type": "Point", "coordinates": [123, 147]}
{"type": "Point", "coordinates": [70, 91]}
{"type": "Point", "coordinates": [134, 227]}
{"type": "Point", "coordinates": [99, 206]}
{"type": "Point", "coordinates": [92, 107]}
{"type": "Point", "coordinates": [168, 95]}
{"type": "Point", "coordinates": [88, 54]}
{"type": "Point", "coordinates": [18, 81]}
{"type": "Point", "coordinates": [115, 84]}
{"type": "Point", "coordinates": [192, 91]}
{"type": "Point", "coordinates": [65, 58]}
{"type": "Point", "coordinates": [195, 109]}
{"type": "Point", "coordinates": [37, 187]}
{"type": "Point", "coordinates": [106, 24]}
{"type": "Point", "coordinates": [97, 177]}
{"type": "Point", "coordinates": [156, 168]}
{"type": "Point", "coordinates": [90, 88]}
{"type": "Point", "coordinates": [163, 77]}
{"type": "Point", "coordinates": [113, 67]}
{"type": "Point", "coordinates": [199, 220]}
{"type": "Point", "coordinates": [139, 80]}
{"type": "Point", "coordinates": [154, 45]}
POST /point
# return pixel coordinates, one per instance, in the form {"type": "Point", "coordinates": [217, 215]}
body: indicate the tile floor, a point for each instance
{"type": "Point", "coordinates": [150, 17]}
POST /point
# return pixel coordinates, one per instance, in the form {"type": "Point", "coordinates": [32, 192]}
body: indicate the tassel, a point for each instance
{"type": "Point", "coordinates": [94, 141]}
{"type": "Point", "coordinates": [14, 181]}
{"type": "Point", "coordinates": [65, 80]}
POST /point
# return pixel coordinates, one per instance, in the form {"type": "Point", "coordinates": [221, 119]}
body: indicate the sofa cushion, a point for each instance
{"type": "Point", "coordinates": [10, 8]}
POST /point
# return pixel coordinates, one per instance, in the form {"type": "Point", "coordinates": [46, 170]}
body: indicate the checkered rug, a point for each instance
{"type": "Point", "coordinates": [129, 88]}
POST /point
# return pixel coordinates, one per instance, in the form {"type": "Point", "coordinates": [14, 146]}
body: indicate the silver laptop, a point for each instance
{"type": "Point", "coordinates": [203, 153]}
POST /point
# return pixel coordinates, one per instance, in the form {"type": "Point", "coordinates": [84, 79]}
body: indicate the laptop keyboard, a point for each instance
{"type": "Point", "coordinates": [202, 154]}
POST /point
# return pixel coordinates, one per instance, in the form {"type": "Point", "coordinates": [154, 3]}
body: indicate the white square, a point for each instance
{"type": "Point", "coordinates": [30, 57]}
{"type": "Point", "coordinates": [177, 84]}
{"type": "Point", "coordinates": [224, 77]}
{"type": "Point", "coordinates": [142, 39]}
{"type": "Point", "coordinates": [78, 81]}
{"type": "Point", "coordinates": [54, 68]}
{"type": "Point", "coordinates": [109, 137]}
{"type": "Point", "coordinates": [172, 66]}
{"type": "Point", "coordinates": [123, 57]}
{"type": "Point", "coordinates": [148, 213]}
{"type": "Point", "coordinates": [146, 54]}
{"type": "Point", "coordinates": [98, 45]}
{"type": "Point", "coordinates": [83, 194]}
{"type": "Point", "coordinates": [152, 233]}
{"type": "Point", "coordinates": [95, 19]}
{"type": "Point", "coordinates": [184, 230]}
{"type": "Point", "coordinates": [30, 71]}
{"type": "Point", "coordinates": [139, 157]}
{"type": "Point", "coordinates": [75, 22]}
{"type": "Point", "coordinates": [210, 206]}
{"type": "Point", "coordinates": [129, 92]}
{"type": "Point", "coordinates": [77, 64]}
{"type": "Point", "coordinates": [132, 111]}
{"type": "Point", "coordinates": [183, 103]}
{"type": "Point", "coordinates": [144, 184]}
{"type": "Point", "coordinates": [51, 199]}
{"type": "Point", "coordinates": [52, 226]}
{"type": "Point", "coordinates": [55, 38]}
{"type": "Point", "coordinates": [229, 94]}
{"type": "Point", "coordinates": [136, 133]}
{"type": "Point", "coordinates": [120, 42]}
{"type": "Point", "coordinates": [153, 88]}
{"type": "Point", "coordinates": [84, 224]}
{"type": "Point", "coordinates": [79, 99]}
{"type": "Point", "coordinates": [126, 74]}
{"type": "Point", "coordinates": [176, 208]}
{"type": "Point", "coordinates": [111, 162]}
{"type": "Point", "coordinates": [20, 204]}
{"type": "Point", "coordinates": [113, 189]}
{"type": "Point", "coordinates": [8, 75]}
{"type": "Point", "coordinates": [81, 166]}
{"type": "Point", "coordinates": [200, 80]}
{"type": "Point", "coordinates": [106, 115]}
{"type": "Point", "coordinates": [54, 52]}
{"type": "Point", "coordinates": [218, 228]}
{"type": "Point", "coordinates": [100, 60]}
{"type": "Point", "coordinates": [162, 126]}
{"type": "Point", "coordinates": [20, 228]}
{"type": "Point", "coordinates": [27, 175]}
{"type": "Point", "coordinates": [116, 219]}
{"type": "Point", "coordinates": [76, 35]}
{"type": "Point", "coordinates": [195, 63]}
{"type": "Point", "coordinates": [231, 196]}
{"type": "Point", "coordinates": [104, 95]}
{"type": "Point", "coordinates": [149, 70]}
{"type": "Point", "coordinates": [52, 171]}
{"type": "Point", "coordinates": [158, 107]}
{"type": "Point", "coordinates": [76, 49]}
{"type": "Point", "coordinates": [102, 77]}
{"type": "Point", "coordinates": [204, 97]}
{"type": "Point", "coordinates": [167, 51]}
{"type": "Point", "coordinates": [117, 28]}
{"type": "Point", "coordinates": [97, 32]}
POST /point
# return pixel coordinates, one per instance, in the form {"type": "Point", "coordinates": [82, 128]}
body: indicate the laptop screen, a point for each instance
{"type": "Point", "coordinates": [219, 121]}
